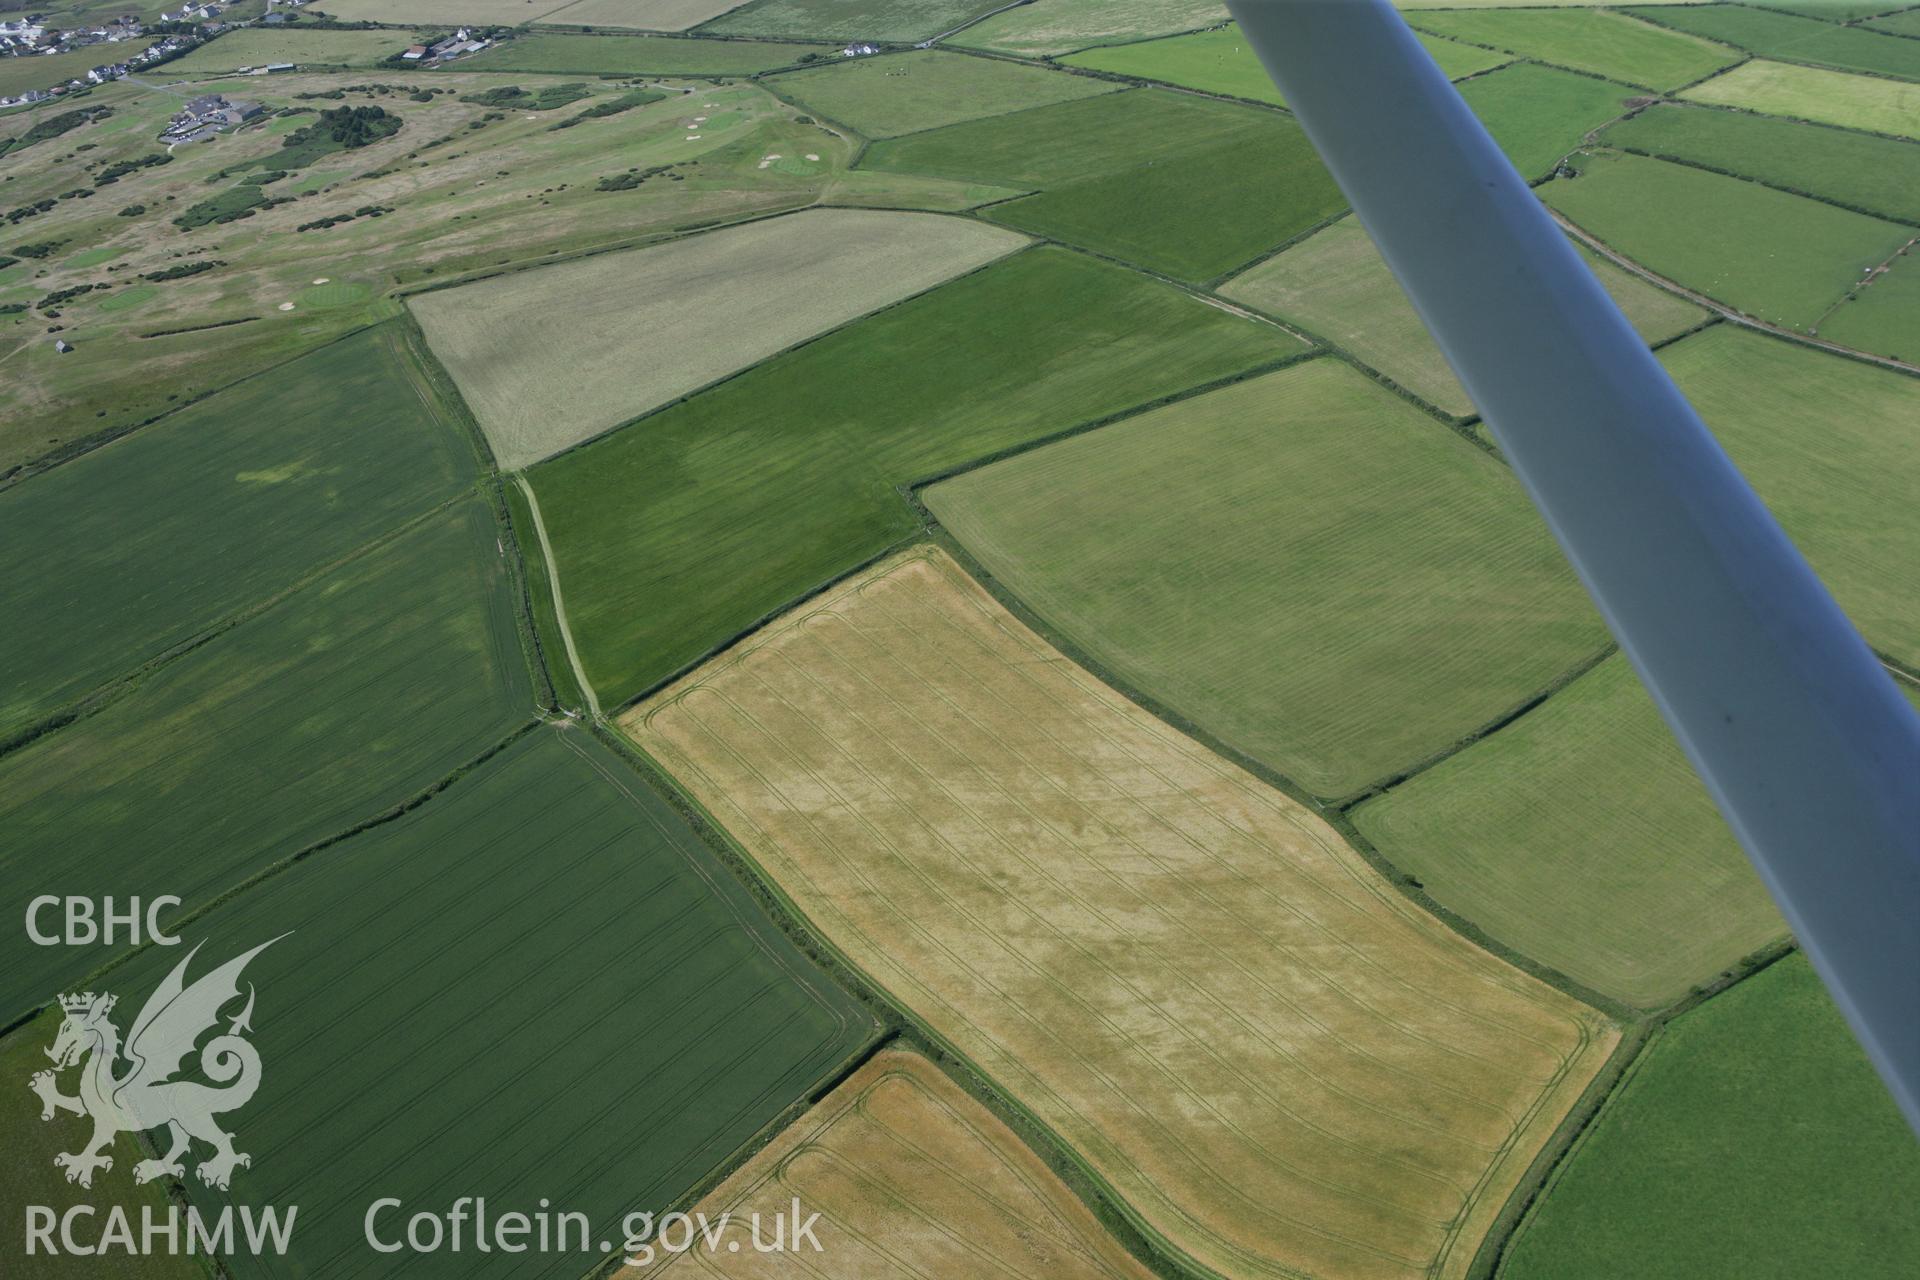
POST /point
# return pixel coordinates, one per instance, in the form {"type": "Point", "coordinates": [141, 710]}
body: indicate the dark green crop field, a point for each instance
{"type": "Point", "coordinates": [1792, 38]}
{"type": "Point", "coordinates": [536, 986]}
{"type": "Point", "coordinates": [1538, 114]}
{"type": "Point", "coordinates": [675, 534]}
{"type": "Point", "coordinates": [1878, 175]}
{"type": "Point", "coordinates": [347, 698]}
{"type": "Point", "coordinates": [116, 557]}
{"type": "Point", "coordinates": [1751, 1140]}
{"type": "Point", "coordinates": [928, 89]}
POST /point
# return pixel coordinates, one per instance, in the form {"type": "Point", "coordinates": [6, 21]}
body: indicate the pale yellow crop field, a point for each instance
{"type": "Point", "coordinates": [642, 15]}
{"type": "Point", "coordinates": [549, 357]}
{"type": "Point", "coordinates": [1873, 103]}
{"type": "Point", "coordinates": [913, 1180]}
{"type": "Point", "coordinates": [1280, 1063]}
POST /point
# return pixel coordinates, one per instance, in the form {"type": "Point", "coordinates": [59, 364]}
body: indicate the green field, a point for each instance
{"type": "Point", "coordinates": [441, 12]}
{"type": "Point", "coordinates": [678, 534]}
{"type": "Point", "coordinates": [637, 55]}
{"type": "Point", "coordinates": [650, 325]}
{"type": "Point", "coordinates": [1905, 23]}
{"type": "Point", "coordinates": [1580, 836]}
{"type": "Point", "coordinates": [1878, 175]}
{"type": "Point", "coordinates": [654, 15]}
{"type": "Point", "coordinates": [342, 700]}
{"type": "Point", "coordinates": [1825, 97]}
{"type": "Point", "coordinates": [1538, 114]}
{"type": "Point", "coordinates": [1048, 27]}
{"type": "Point", "coordinates": [1221, 61]}
{"type": "Point", "coordinates": [44, 70]}
{"type": "Point", "coordinates": [1795, 39]}
{"type": "Point", "coordinates": [1885, 317]}
{"type": "Point", "coordinates": [1605, 43]}
{"type": "Point", "coordinates": [1751, 1139]}
{"type": "Point", "coordinates": [537, 986]}
{"type": "Point", "coordinates": [1336, 284]}
{"type": "Point", "coordinates": [1829, 444]}
{"type": "Point", "coordinates": [232, 498]}
{"type": "Point", "coordinates": [257, 46]}
{"type": "Point", "coordinates": [1305, 565]}
{"type": "Point", "coordinates": [903, 21]}
{"type": "Point", "coordinates": [1778, 257]}
{"type": "Point", "coordinates": [926, 88]}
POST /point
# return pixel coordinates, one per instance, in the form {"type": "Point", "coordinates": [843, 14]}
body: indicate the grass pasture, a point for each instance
{"type": "Point", "coordinates": [928, 88]}
{"type": "Point", "coordinates": [575, 55]}
{"type": "Point", "coordinates": [652, 15]}
{"type": "Point", "coordinates": [896, 21]}
{"type": "Point", "coordinates": [1793, 38]}
{"type": "Point", "coordinates": [645, 326]}
{"type": "Point", "coordinates": [257, 46]}
{"type": "Point", "coordinates": [1580, 836]}
{"type": "Point", "coordinates": [1825, 97]}
{"type": "Point", "coordinates": [1829, 444]}
{"type": "Point", "coordinates": [1752, 1138]}
{"type": "Point", "coordinates": [1776, 256]}
{"type": "Point", "coordinates": [1539, 114]}
{"type": "Point", "coordinates": [548, 946]}
{"type": "Point", "coordinates": [1304, 565]}
{"type": "Point", "coordinates": [1884, 318]}
{"type": "Point", "coordinates": [347, 698]}
{"type": "Point", "coordinates": [442, 13]}
{"type": "Point", "coordinates": [1050, 27]}
{"type": "Point", "coordinates": [1904, 23]}
{"type": "Point", "coordinates": [1605, 43]}
{"type": "Point", "coordinates": [234, 497]}
{"type": "Point", "coordinates": [1336, 284]}
{"type": "Point", "coordinates": [1877, 175]}
{"type": "Point", "coordinates": [45, 70]}
{"type": "Point", "coordinates": [676, 535]}
{"type": "Point", "coordinates": [1221, 61]}
{"type": "Point", "coordinates": [1129, 934]}
{"type": "Point", "coordinates": [913, 1179]}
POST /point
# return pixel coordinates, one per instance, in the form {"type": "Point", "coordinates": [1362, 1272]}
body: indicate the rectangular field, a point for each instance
{"type": "Point", "coordinates": [912, 1178]}
{"type": "Point", "coordinates": [1772, 34]}
{"type": "Point", "coordinates": [444, 13]}
{"type": "Point", "coordinates": [1336, 284]}
{"type": "Point", "coordinates": [550, 357]}
{"type": "Point", "coordinates": [1539, 114]}
{"type": "Point", "coordinates": [1282, 1065]}
{"type": "Point", "coordinates": [1825, 97]}
{"type": "Point", "coordinates": [649, 15]}
{"type": "Point", "coordinates": [637, 55]}
{"type": "Point", "coordinates": [1751, 1138]}
{"type": "Point", "coordinates": [345, 699]}
{"type": "Point", "coordinates": [1778, 257]}
{"type": "Point", "coordinates": [256, 46]}
{"type": "Point", "coordinates": [1885, 317]}
{"type": "Point", "coordinates": [1829, 444]}
{"type": "Point", "coordinates": [537, 987]}
{"type": "Point", "coordinates": [679, 534]}
{"type": "Point", "coordinates": [235, 498]}
{"type": "Point", "coordinates": [1221, 61]}
{"type": "Point", "coordinates": [899, 21]}
{"type": "Point", "coordinates": [1049, 27]}
{"type": "Point", "coordinates": [44, 71]}
{"type": "Point", "coordinates": [1581, 837]}
{"type": "Point", "coordinates": [928, 88]}
{"type": "Point", "coordinates": [1877, 175]}
{"type": "Point", "coordinates": [1604, 43]}
{"type": "Point", "coordinates": [1303, 564]}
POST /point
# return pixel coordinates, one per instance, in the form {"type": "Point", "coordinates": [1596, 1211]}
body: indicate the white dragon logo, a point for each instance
{"type": "Point", "coordinates": [145, 1096]}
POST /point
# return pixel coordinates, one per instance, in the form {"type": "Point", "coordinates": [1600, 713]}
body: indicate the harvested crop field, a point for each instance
{"type": "Point", "coordinates": [1778, 257]}
{"type": "Point", "coordinates": [1221, 61]}
{"type": "Point", "coordinates": [648, 325]}
{"type": "Point", "coordinates": [1829, 444]}
{"type": "Point", "coordinates": [1607, 44]}
{"type": "Point", "coordinates": [636, 55]}
{"type": "Point", "coordinates": [1750, 1139]}
{"type": "Point", "coordinates": [1336, 284]}
{"type": "Point", "coordinates": [1809, 93]}
{"type": "Point", "coordinates": [1880, 176]}
{"type": "Point", "coordinates": [1048, 27]}
{"type": "Point", "coordinates": [897, 21]}
{"type": "Point", "coordinates": [914, 1180]}
{"type": "Point", "coordinates": [467, 1044]}
{"type": "Point", "coordinates": [928, 88]}
{"type": "Point", "coordinates": [1772, 34]}
{"type": "Point", "coordinates": [1580, 836]}
{"type": "Point", "coordinates": [1129, 934]}
{"type": "Point", "coordinates": [229, 513]}
{"type": "Point", "coordinates": [1304, 565]}
{"type": "Point", "coordinates": [337, 703]}
{"type": "Point", "coordinates": [681, 534]}
{"type": "Point", "coordinates": [1539, 114]}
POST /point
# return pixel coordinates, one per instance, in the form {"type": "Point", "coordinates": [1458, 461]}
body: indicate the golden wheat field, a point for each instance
{"type": "Point", "coordinates": [1276, 1060]}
